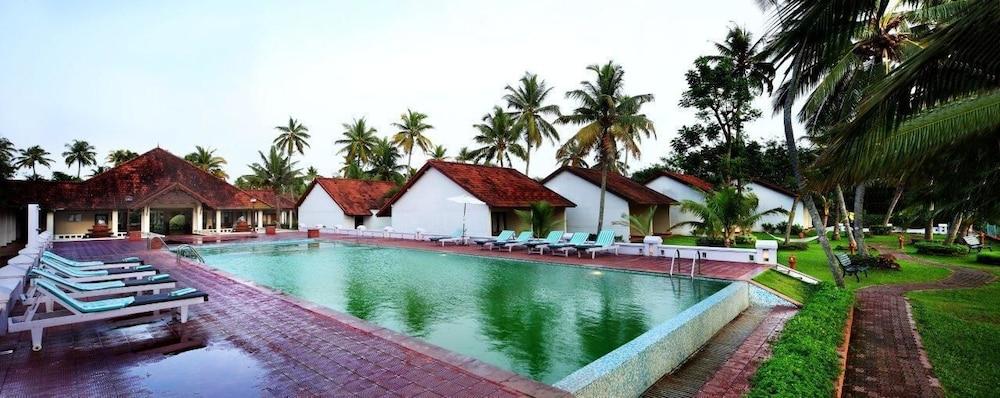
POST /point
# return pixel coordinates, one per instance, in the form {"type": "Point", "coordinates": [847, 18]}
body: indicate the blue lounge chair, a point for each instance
{"type": "Point", "coordinates": [522, 239]}
{"type": "Point", "coordinates": [504, 236]}
{"type": "Point", "coordinates": [152, 283]}
{"type": "Point", "coordinates": [80, 275]}
{"type": "Point", "coordinates": [457, 234]}
{"type": "Point", "coordinates": [578, 238]}
{"type": "Point", "coordinates": [605, 242]}
{"type": "Point", "coordinates": [123, 263]}
{"type": "Point", "coordinates": [77, 311]}
{"type": "Point", "coordinates": [553, 238]}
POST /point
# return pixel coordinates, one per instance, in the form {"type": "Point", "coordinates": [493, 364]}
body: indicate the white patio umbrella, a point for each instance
{"type": "Point", "coordinates": [465, 200]}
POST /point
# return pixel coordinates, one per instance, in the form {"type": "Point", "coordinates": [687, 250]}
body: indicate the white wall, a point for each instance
{"type": "Point", "coordinates": [769, 199]}
{"type": "Point", "coordinates": [679, 192]}
{"type": "Point", "coordinates": [426, 205]}
{"type": "Point", "coordinates": [587, 196]}
{"type": "Point", "coordinates": [319, 208]}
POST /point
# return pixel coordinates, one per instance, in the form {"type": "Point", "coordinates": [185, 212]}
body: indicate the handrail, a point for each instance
{"type": "Point", "coordinates": [179, 249]}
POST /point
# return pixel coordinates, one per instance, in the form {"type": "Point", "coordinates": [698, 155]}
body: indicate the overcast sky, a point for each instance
{"type": "Point", "coordinates": [175, 74]}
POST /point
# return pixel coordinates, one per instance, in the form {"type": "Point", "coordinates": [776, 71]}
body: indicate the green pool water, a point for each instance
{"type": "Point", "coordinates": [538, 320]}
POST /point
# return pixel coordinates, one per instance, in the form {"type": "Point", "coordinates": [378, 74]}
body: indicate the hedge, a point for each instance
{"type": "Point", "coordinates": [940, 249]}
{"type": "Point", "coordinates": [804, 362]}
{"type": "Point", "coordinates": [793, 246]}
{"type": "Point", "coordinates": [988, 258]}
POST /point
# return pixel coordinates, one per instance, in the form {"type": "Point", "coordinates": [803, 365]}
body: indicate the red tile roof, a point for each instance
{"type": "Point", "coordinates": [617, 184]}
{"type": "Point", "coordinates": [686, 179]}
{"type": "Point", "coordinates": [498, 187]}
{"type": "Point", "coordinates": [144, 178]}
{"type": "Point", "coordinates": [355, 197]}
{"type": "Point", "coordinates": [267, 197]}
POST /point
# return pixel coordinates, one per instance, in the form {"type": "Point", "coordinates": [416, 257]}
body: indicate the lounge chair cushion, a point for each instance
{"type": "Point", "coordinates": [164, 297]}
{"type": "Point", "coordinates": [85, 306]}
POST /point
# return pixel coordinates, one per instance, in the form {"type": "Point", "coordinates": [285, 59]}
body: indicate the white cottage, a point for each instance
{"type": "Point", "coordinates": [624, 197]}
{"type": "Point", "coordinates": [680, 187]}
{"type": "Point", "coordinates": [771, 196]}
{"type": "Point", "coordinates": [423, 202]}
{"type": "Point", "coordinates": [339, 201]}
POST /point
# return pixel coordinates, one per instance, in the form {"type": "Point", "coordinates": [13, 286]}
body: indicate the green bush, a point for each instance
{"type": "Point", "coordinates": [988, 258]}
{"type": "Point", "coordinates": [804, 362]}
{"type": "Point", "coordinates": [711, 242]}
{"type": "Point", "coordinates": [880, 229]}
{"type": "Point", "coordinates": [941, 249]}
{"type": "Point", "coordinates": [793, 246]}
{"type": "Point", "coordinates": [746, 239]}
{"type": "Point", "coordinates": [884, 261]}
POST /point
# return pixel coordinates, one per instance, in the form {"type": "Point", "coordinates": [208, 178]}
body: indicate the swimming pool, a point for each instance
{"type": "Point", "coordinates": [539, 320]}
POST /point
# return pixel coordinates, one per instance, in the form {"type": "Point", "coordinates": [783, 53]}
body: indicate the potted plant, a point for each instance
{"type": "Point", "coordinates": [643, 224]}
{"type": "Point", "coordinates": [540, 216]}
{"type": "Point", "coordinates": [271, 229]}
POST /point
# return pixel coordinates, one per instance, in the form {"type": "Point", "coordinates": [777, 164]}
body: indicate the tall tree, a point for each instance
{"type": "Point", "coordinates": [499, 135]}
{"type": "Point", "coordinates": [119, 156]}
{"type": "Point", "coordinates": [411, 127]}
{"type": "Point", "coordinates": [293, 137]}
{"type": "Point", "coordinates": [32, 156]}
{"type": "Point", "coordinates": [81, 153]}
{"type": "Point", "coordinates": [7, 151]}
{"type": "Point", "coordinates": [633, 129]}
{"type": "Point", "coordinates": [310, 175]}
{"type": "Point", "coordinates": [385, 162]}
{"type": "Point", "coordinates": [600, 111]}
{"type": "Point", "coordinates": [439, 153]}
{"type": "Point", "coordinates": [465, 155]}
{"type": "Point", "coordinates": [205, 159]}
{"type": "Point", "coordinates": [276, 171]}
{"type": "Point", "coordinates": [572, 154]}
{"type": "Point", "coordinates": [528, 100]}
{"type": "Point", "coordinates": [359, 142]}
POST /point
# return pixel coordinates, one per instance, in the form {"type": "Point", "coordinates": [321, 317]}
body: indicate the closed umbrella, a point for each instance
{"type": "Point", "coordinates": [465, 200]}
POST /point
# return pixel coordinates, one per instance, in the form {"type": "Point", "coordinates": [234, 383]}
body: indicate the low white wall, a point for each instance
{"type": "Point", "coordinates": [632, 368]}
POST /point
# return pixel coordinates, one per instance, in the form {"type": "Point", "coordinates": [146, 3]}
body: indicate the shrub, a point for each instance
{"type": "Point", "coordinates": [746, 239]}
{"type": "Point", "coordinates": [804, 362]}
{"type": "Point", "coordinates": [880, 229]}
{"type": "Point", "coordinates": [712, 242]}
{"type": "Point", "coordinates": [988, 258]}
{"type": "Point", "coordinates": [779, 228]}
{"type": "Point", "coordinates": [884, 261]}
{"type": "Point", "coordinates": [793, 246]}
{"type": "Point", "coordinates": [940, 249]}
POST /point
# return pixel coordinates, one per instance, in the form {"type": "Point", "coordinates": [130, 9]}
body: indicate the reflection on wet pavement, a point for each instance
{"type": "Point", "coordinates": [209, 372]}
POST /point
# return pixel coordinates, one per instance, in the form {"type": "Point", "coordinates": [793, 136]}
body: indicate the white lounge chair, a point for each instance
{"type": "Point", "coordinates": [79, 275]}
{"type": "Point", "coordinates": [123, 263]}
{"type": "Point", "coordinates": [77, 311]}
{"type": "Point", "coordinates": [523, 238]}
{"type": "Point", "coordinates": [605, 242]}
{"type": "Point", "coordinates": [456, 234]}
{"type": "Point", "coordinates": [152, 283]}
{"type": "Point", "coordinates": [578, 238]}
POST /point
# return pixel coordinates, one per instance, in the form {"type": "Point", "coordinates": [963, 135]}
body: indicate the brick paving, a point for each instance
{"type": "Point", "coordinates": [301, 349]}
{"type": "Point", "coordinates": [886, 357]}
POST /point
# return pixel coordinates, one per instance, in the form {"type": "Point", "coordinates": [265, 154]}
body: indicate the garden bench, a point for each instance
{"type": "Point", "coordinates": [974, 244]}
{"type": "Point", "coordinates": [851, 269]}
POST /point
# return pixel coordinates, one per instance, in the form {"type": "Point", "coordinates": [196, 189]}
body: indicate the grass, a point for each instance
{"type": "Point", "coordinates": [961, 332]}
{"type": "Point", "coordinates": [791, 287]}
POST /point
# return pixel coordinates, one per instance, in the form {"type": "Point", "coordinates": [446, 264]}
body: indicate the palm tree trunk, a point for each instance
{"type": "Point", "coordinates": [895, 200]}
{"type": "Point", "coordinates": [409, 158]}
{"type": "Point", "coordinates": [78, 165]}
{"type": "Point", "coordinates": [277, 205]}
{"type": "Point", "coordinates": [791, 218]}
{"type": "Point", "coordinates": [527, 157]}
{"type": "Point", "coordinates": [604, 188]}
{"type": "Point", "coordinates": [793, 155]}
{"type": "Point", "coordinates": [836, 223]}
{"type": "Point", "coordinates": [953, 228]}
{"type": "Point", "coordinates": [929, 228]}
{"type": "Point", "coordinates": [859, 216]}
{"type": "Point", "coordinates": [843, 215]}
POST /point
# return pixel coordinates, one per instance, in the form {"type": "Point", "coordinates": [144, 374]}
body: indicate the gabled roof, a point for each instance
{"type": "Point", "coordinates": [618, 184]}
{"type": "Point", "coordinates": [498, 187]}
{"type": "Point", "coordinates": [268, 198]}
{"type": "Point", "coordinates": [355, 197]}
{"type": "Point", "coordinates": [775, 187]}
{"type": "Point", "coordinates": [685, 179]}
{"type": "Point", "coordinates": [143, 178]}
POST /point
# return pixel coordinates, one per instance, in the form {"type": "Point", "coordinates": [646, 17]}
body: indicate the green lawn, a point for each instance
{"type": "Point", "coordinates": [961, 332]}
{"type": "Point", "coordinates": [791, 287]}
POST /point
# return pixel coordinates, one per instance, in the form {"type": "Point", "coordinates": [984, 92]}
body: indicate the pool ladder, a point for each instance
{"type": "Point", "coordinates": [673, 262]}
{"type": "Point", "coordinates": [179, 250]}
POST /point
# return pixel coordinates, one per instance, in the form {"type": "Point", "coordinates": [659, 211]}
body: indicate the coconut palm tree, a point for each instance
{"type": "Point", "coordinates": [571, 154]}
{"type": "Point", "coordinates": [119, 156]}
{"type": "Point", "coordinates": [411, 127]}
{"type": "Point", "coordinates": [7, 152]}
{"type": "Point", "coordinates": [98, 170]}
{"type": "Point", "coordinates": [359, 142]}
{"type": "Point", "coordinates": [31, 157]}
{"type": "Point", "coordinates": [724, 213]}
{"type": "Point", "coordinates": [600, 111]}
{"type": "Point", "coordinates": [632, 130]}
{"type": "Point", "coordinates": [292, 138]}
{"type": "Point", "coordinates": [465, 155]}
{"type": "Point", "coordinates": [385, 162]}
{"type": "Point", "coordinates": [541, 216]}
{"type": "Point", "coordinates": [528, 102]}
{"type": "Point", "coordinates": [275, 171]}
{"type": "Point", "coordinates": [748, 58]}
{"type": "Point", "coordinates": [81, 153]}
{"type": "Point", "coordinates": [439, 153]}
{"type": "Point", "coordinates": [205, 159]}
{"type": "Point", "coordinates": [310, 175]}
{"type": "Point", "coordinates": [499, 135]}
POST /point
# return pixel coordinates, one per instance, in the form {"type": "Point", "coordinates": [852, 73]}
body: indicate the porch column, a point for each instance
{"type": "Point", "coordinates": [32, 224]}
{"type": "Point", "coordinates": [144, 223]}
{"type": "Point", "coordinates": [218, 221]}
{"type": "Point", "coordinates": [260, 219]}
{"type": "Point", "coordinates": [291, 218]}
{"type": "Point", "coordinates": [196, 218]}
{"type": "Point", "coordinates": [114, 222]}
{"type": "Point", "coordinates": [50, 222]}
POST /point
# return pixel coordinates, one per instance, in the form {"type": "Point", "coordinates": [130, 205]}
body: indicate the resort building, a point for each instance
{"type": "Point", "coordinates": [680, 187]}
{"type": "Point", "coordinates": [347, 203]}
{"type": "Point", "coordinates": [624, 197]}
{"type": "Point", "coordinates": [772, 196]}
{"type": "Point", "coordinates": [156, 192]}
{"type": "Point", "coordinates": [427, 202]}
{"type": "Point", "coordinates": [288, 206]}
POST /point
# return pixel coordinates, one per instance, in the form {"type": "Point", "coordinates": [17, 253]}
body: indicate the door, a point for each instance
{"type": "Point", "coordinates": [499, 222]}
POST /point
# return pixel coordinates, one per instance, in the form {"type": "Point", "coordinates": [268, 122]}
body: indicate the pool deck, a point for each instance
{"type": "Point", "coordinates": [291, 347]}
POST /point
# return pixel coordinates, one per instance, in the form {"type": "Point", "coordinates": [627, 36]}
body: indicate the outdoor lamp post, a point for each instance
{"type": "Point", "coordinates": [253, 213]}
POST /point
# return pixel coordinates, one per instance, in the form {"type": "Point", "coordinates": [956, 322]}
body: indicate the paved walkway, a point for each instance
{"type": "Point", "coordinates": [886, 357]}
